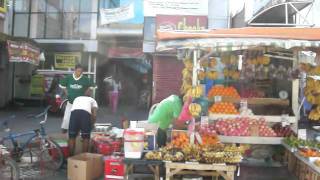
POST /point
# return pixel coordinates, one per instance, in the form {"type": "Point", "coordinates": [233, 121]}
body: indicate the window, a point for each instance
{"type": "Point", "coordinates": [53, 26]}
{"type": "Point", "coordinates": [85, 25]}
{"type": "Point", "coordinates": [71, 5]}
{"type": "Point", "coordinates": [22, 5]}
{"type": "Point", "coordinates": [21, 25]}
{"type": "Point", "coordinates": [85, 6]}
{"type": "Point", "coordinates": [58, 19]}
{"type": "Point", "coordinates": [71, 25]}
{"type": "Point", "coordinates": [38, 6]}
{"type": "Point", "coordinates": [37, 25]}
{"type": "Point", "coordinates": [54, 5]}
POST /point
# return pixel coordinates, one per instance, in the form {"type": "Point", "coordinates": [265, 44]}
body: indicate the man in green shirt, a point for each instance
{"type": "Point", "coordinates": [74, 85]}
{"type": "Point", "coordinates": [166, 112]}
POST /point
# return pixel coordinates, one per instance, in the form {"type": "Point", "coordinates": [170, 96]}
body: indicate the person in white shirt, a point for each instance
{"type": "Point", "coordinates": [83, 116]}
{"type": "Point", "coordinates": [114, 92]}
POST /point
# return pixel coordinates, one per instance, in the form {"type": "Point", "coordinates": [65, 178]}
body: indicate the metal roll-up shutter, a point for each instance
{"type": "Point", "coordinates": [167, 77]}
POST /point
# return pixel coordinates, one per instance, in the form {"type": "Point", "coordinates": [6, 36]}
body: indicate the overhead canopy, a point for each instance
{"type": "Point", "coordinates": [280, 13]}
{"type": "Point", "coordinates": [239, 38]}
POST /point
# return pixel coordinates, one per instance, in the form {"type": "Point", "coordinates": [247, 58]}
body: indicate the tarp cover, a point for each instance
{"type": "Point", "coordinates": [239, 38]}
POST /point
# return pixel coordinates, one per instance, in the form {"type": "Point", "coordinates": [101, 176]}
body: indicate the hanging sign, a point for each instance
{"type": "Point", "coordinates": [66, 60]}
{"type": "Point", "coordinates": [181, 22]}
{"type": "Point", "coordinates": [114, 15]}
{"type": "Point", "coordinates": [23, 52]}
{"type": "Point", "coordinates": [175, 7]}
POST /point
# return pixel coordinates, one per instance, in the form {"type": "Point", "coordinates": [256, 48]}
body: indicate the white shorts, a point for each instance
{"type": "Point", "coordinates": [66, 117]}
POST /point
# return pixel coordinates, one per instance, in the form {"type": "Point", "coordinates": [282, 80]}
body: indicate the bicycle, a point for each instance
{"type": "Point", "coordinates": [8, 167]}
{"type": "Point", "coordinates": [38, 151]}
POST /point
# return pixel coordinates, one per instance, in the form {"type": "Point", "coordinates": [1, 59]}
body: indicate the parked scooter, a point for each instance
{"type": "Point", "coordinates": [55, 97]}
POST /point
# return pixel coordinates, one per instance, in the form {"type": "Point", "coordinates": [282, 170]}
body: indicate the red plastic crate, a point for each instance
{"type": "Point", "coordinates": [114, 168]}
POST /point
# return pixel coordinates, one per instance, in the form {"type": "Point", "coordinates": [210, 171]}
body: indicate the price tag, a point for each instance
{"type": "Point", "coordinates": [302, 134]}
{"type": "Point", "coordinates": [285, 120]}
{"type": "Point", "coordinates": [217, 99]}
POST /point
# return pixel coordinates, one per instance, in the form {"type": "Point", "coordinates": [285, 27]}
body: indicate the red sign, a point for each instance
{"type": "Point", "coordinates": [23, 52]}
{"type": "Point", "coordinates": [125, 52]}
{"type": "Point", "coordinates": [170, 22]}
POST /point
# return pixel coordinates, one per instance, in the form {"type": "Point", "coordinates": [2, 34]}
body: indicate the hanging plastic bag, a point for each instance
{"type": "Point", "coordinates": [185, 115]}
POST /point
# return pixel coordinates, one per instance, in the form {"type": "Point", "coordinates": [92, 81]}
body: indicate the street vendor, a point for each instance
{"type": "Point", "coordinates": [74, 85]}
{"type": "Point", "coordinates": [82, 119]}
{"type": "Point", "coordinates": [166, 112]}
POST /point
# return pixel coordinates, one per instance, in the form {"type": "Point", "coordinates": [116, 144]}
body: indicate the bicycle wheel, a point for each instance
{"type": "Point", "coordinates": [9, 169]}
{"type": "Point", "coordinates": [51, 156]}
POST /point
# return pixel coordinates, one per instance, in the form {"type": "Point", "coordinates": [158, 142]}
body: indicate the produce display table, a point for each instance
{"type": "Point", "coordinates": [226, 171]}
{"type": "Point", "coordinates": [300, 166]}
{"type": "Point", "coordinates": [154, 166]}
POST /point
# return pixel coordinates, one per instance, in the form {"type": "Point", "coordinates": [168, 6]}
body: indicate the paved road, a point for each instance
{"type": "Point", "coordinates": [21, 123]}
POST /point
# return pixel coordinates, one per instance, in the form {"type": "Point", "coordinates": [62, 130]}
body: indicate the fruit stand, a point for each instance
{"type": "Point", "coordinates": [246, 81]}
{"type": "Point", "coordinates": [247, 86]}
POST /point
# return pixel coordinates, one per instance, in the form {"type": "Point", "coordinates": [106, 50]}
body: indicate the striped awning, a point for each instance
{"type": "Point", "coordinates": [239, 38]}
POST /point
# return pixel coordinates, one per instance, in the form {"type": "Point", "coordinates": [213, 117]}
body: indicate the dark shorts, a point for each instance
{"type": "Point", "coordinates": [80, 121]}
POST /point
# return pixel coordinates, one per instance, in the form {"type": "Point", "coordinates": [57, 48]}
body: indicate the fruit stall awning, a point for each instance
{"type": "Point", "coordinates": [239, 38]}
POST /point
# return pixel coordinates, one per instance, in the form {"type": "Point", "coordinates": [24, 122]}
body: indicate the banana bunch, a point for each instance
{"type": "Point", "coordinates": [192, 152]}
{"type": "Point", "coordinates": [186, 76]}
{"type": "Point", "coordinates": [154, 155]}
{"type": "Point", "coordinates": [314, 70]}
{"type": "Point", "coordinates": [212, 75]}
{"type": "Point", "coordinates": [263, 60]}
{"type": "Point", "coordinates": [196, 92]}
{"type": "Point", "coordinates": [201, 75]}
{"type": "Point", "coordinates": [312, 91]}
{"type": "Point", "coordinates": [314, 115]}
{"type": "Point", "coordinates": [229, 59]}
{"type": "Point", "coordinates": [234, 74]}
{"type": "Point", "coordinates": [186, 86]}
{"type": "Point", "coordinates": [195, 109]}
{"type": "Point", "coordinates": [188, 64]}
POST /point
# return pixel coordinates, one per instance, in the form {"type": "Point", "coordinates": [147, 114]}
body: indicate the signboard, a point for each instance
{"type": "Point", "coordinates": [175, 7]}
{"type": "Point", "coordinates": [113, 15]}
{"type": "Point", "coordinates": [23, 52]}
{"type": "Point", "coordinates": [66, 60]}
{"type": "Point", "coordinates": [170, 22]}
{"type": "Point", "coordinates": [3, 6]}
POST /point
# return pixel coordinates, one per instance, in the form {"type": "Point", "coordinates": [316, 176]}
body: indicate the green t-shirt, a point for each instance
{"type": "Point", "coordinates": [166, 111]}
{"type": "Point", "coordinates": [75, 87]}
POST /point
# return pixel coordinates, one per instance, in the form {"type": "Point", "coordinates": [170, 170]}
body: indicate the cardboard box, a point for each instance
{"type": "Point", "coordinates": [85, 166]}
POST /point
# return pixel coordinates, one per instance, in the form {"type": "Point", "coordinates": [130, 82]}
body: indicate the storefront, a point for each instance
{"type": "Point", "coordinates": [20, 57]}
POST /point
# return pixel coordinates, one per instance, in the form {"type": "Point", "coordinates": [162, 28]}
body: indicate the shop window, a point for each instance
{"type": "Point", "coordinates": [70, 25]}
{"type": "Point", "coordinates": [22, 5]}
{"type": "Point", "coordinates": [71, 5]}
{"type": "Point", "coordinates": [54, 25]}
{"type": "Point", "coordinates": [37, 25]}
{"type": "Point", "coordinates": [38, 6]}
{"type": "Point", "coordinates": [21, 25]}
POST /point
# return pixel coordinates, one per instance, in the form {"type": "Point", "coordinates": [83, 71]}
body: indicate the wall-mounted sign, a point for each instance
{"type": "Point", "coordinates": [3, 6]}
{"type": "Point", "coordinates": [175, 7]}
{"type": "Point", "coordinates": [23, 52]}
{"type": "Point", "coordinates": [170, 22]}
{"type": "Point", "coordinates": [66, 60]}
{"type": "Point", "coordinates": [113, 15]}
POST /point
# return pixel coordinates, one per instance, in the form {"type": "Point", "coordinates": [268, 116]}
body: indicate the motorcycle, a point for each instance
{"type": "Point", "coordinates": [55, 97]}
